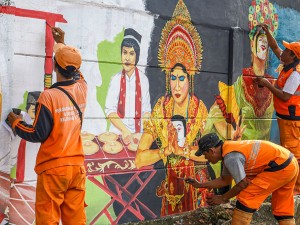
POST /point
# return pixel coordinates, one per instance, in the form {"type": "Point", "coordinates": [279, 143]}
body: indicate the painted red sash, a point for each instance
{"type": "Point", "coordinates": [20, 170]}
{"type": "Point", "coordinates": [138, 99]}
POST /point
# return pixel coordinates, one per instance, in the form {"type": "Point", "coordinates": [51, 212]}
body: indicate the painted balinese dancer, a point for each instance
{"type": "Point", "coordinates": [178, 118]}
{"type": "Point", "coordinates": [244, 109]}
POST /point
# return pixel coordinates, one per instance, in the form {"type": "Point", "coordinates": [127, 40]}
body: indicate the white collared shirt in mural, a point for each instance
{"type": "Point", "coordinates": [111, 104]}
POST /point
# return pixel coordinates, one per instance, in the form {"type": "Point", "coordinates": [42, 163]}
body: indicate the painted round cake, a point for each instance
{"type": "Point", "coordinates": [112, 147]}
{"type": "Point", "coordinates": [90, 147]}
{"type": "Point", "coordinates": [108, 137]}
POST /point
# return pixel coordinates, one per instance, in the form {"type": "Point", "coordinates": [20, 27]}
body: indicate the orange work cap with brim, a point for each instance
{"type": "Point", "coordinates": [67, 56]}
{"type": "Point", "coordinates": [294, 47]}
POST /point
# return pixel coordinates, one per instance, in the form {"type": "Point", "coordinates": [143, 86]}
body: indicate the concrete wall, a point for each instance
{"type": "Point", "coordinates": [123, 184]}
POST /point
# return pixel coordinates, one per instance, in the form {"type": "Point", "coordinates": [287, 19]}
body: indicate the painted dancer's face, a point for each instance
{"type": "Point", "coordinates": [179, 83]}
{"type": "Point", "coordinates": [128, 59]}
{"type": "Point", "coordinates": [262, 47]}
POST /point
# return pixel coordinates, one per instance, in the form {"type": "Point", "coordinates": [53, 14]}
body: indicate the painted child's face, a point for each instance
{"type": "Point", "coordinates": [128, 59]}
{"type": "Point", "coordinates": [180, 129]}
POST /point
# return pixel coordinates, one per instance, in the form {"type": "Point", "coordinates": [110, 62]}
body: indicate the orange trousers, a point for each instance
{"type": "Point", "coordinates": [60, 194]}
{"type": "Point", "coordinates": [280, 184]}
{"type": "Point", "coordinates": [290, 139]}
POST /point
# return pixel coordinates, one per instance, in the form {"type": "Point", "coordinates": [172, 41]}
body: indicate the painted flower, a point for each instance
{"type": "Point", "coordinates": [261, 20]}
{"type": "Point", "coordinates": [257, 8]}
{"type": "Point", "coordinates": [251, 9]}
{"type": "Point", "coordinates": [250, 17]}
{"type": "Point", "coordinates": [270, 6]}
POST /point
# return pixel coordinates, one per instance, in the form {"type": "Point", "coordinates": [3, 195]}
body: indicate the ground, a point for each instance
{"type": "Point", "coordinates": [220, 215]}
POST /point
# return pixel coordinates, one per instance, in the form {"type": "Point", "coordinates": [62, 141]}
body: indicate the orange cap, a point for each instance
{"type": "Point", "coordinates": [293, 46]}
{"type": "Point", "coordinates": [67, 56]}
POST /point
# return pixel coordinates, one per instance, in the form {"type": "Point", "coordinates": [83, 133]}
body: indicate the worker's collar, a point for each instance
{"type": "Point", "coordinates": [291, 65]}
{"type": "Point", "coordinates": [63, 83]}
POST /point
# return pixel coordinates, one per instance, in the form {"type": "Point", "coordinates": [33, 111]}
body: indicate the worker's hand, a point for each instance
{"type": "Point", "coordinates": [194, 182]}
{"type": "Point", "coordinates": [58, 35]}
{"type": "Point", "coordinates": [12, 117]}
{"type": "Point", "coordinates": [262, 81]}
{"type": "Point", "coordinates": [215, 199]}
{"type": "Point", "coordinates": [265, 27]}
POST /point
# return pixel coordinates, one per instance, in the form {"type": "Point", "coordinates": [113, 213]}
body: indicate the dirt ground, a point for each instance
{"type": "Point", "coordinates": [220, 215]}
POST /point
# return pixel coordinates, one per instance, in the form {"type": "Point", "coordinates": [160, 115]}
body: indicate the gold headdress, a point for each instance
{"type": "Point", "coordinates": [262, 11]}
{"type": "Point", "coordinates": [180, 43]}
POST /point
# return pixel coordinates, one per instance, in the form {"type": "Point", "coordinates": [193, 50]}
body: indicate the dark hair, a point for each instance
{"type": "Point", "coordinates": [182, 67]}
{"type": "Point", "coordinates": [68, 73]}
{"type": "Point", "coordinates": [131, 43]}
{"type": "Point", "coordinates": [180, 118]}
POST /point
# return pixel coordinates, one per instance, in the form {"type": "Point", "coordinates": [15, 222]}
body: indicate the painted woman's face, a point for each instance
{"type": "Point", "coordinates": [179, 85]}
{"type": "Point", "coordinates": [128, 59]}
{"type": "Point", "coordinates": [262, 47]}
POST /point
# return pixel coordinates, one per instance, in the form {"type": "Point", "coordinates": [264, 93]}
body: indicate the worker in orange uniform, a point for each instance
{"type": "Point", "coordinates": [286, 92]}
{"type": "Point", "coordinates": [259, 168]}
{"type": "Point", "coordinates": [60, 190]}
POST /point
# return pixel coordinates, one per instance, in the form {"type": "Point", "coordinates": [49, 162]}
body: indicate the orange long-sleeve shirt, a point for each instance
{"type": "Point", "coordinates": [57, 126]}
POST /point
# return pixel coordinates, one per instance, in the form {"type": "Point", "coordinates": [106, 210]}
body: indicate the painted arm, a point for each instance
{"type": "Point", "coordinates": [146, 156]}
{"type": "Point", "coordinates": [117, 122]}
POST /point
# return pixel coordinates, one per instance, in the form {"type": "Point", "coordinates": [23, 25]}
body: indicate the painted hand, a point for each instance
{"type": "Point", "coordinates": [172, 139]}
{"type": "Point", "coordinates": [126, 136]}
{"type": "Point", "coordinates": [238, 133]}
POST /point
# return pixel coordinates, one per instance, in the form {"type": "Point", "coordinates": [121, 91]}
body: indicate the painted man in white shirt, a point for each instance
{"type": "Point", "coordinates": [128, 99]}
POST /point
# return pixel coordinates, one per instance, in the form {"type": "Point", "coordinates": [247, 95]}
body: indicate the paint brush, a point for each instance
{"type": "Point", "coordinates": [49, 25]}
{"type": "Point", "coordinates": [56, 33]}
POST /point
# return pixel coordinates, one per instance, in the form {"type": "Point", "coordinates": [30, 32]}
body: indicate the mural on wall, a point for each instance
{"type": "Point", "coordinates": [135, 162]}
{"type": "Point", "coordinates": [180, 56]}
{"type": "Point", "coordinates": [245, 109]}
